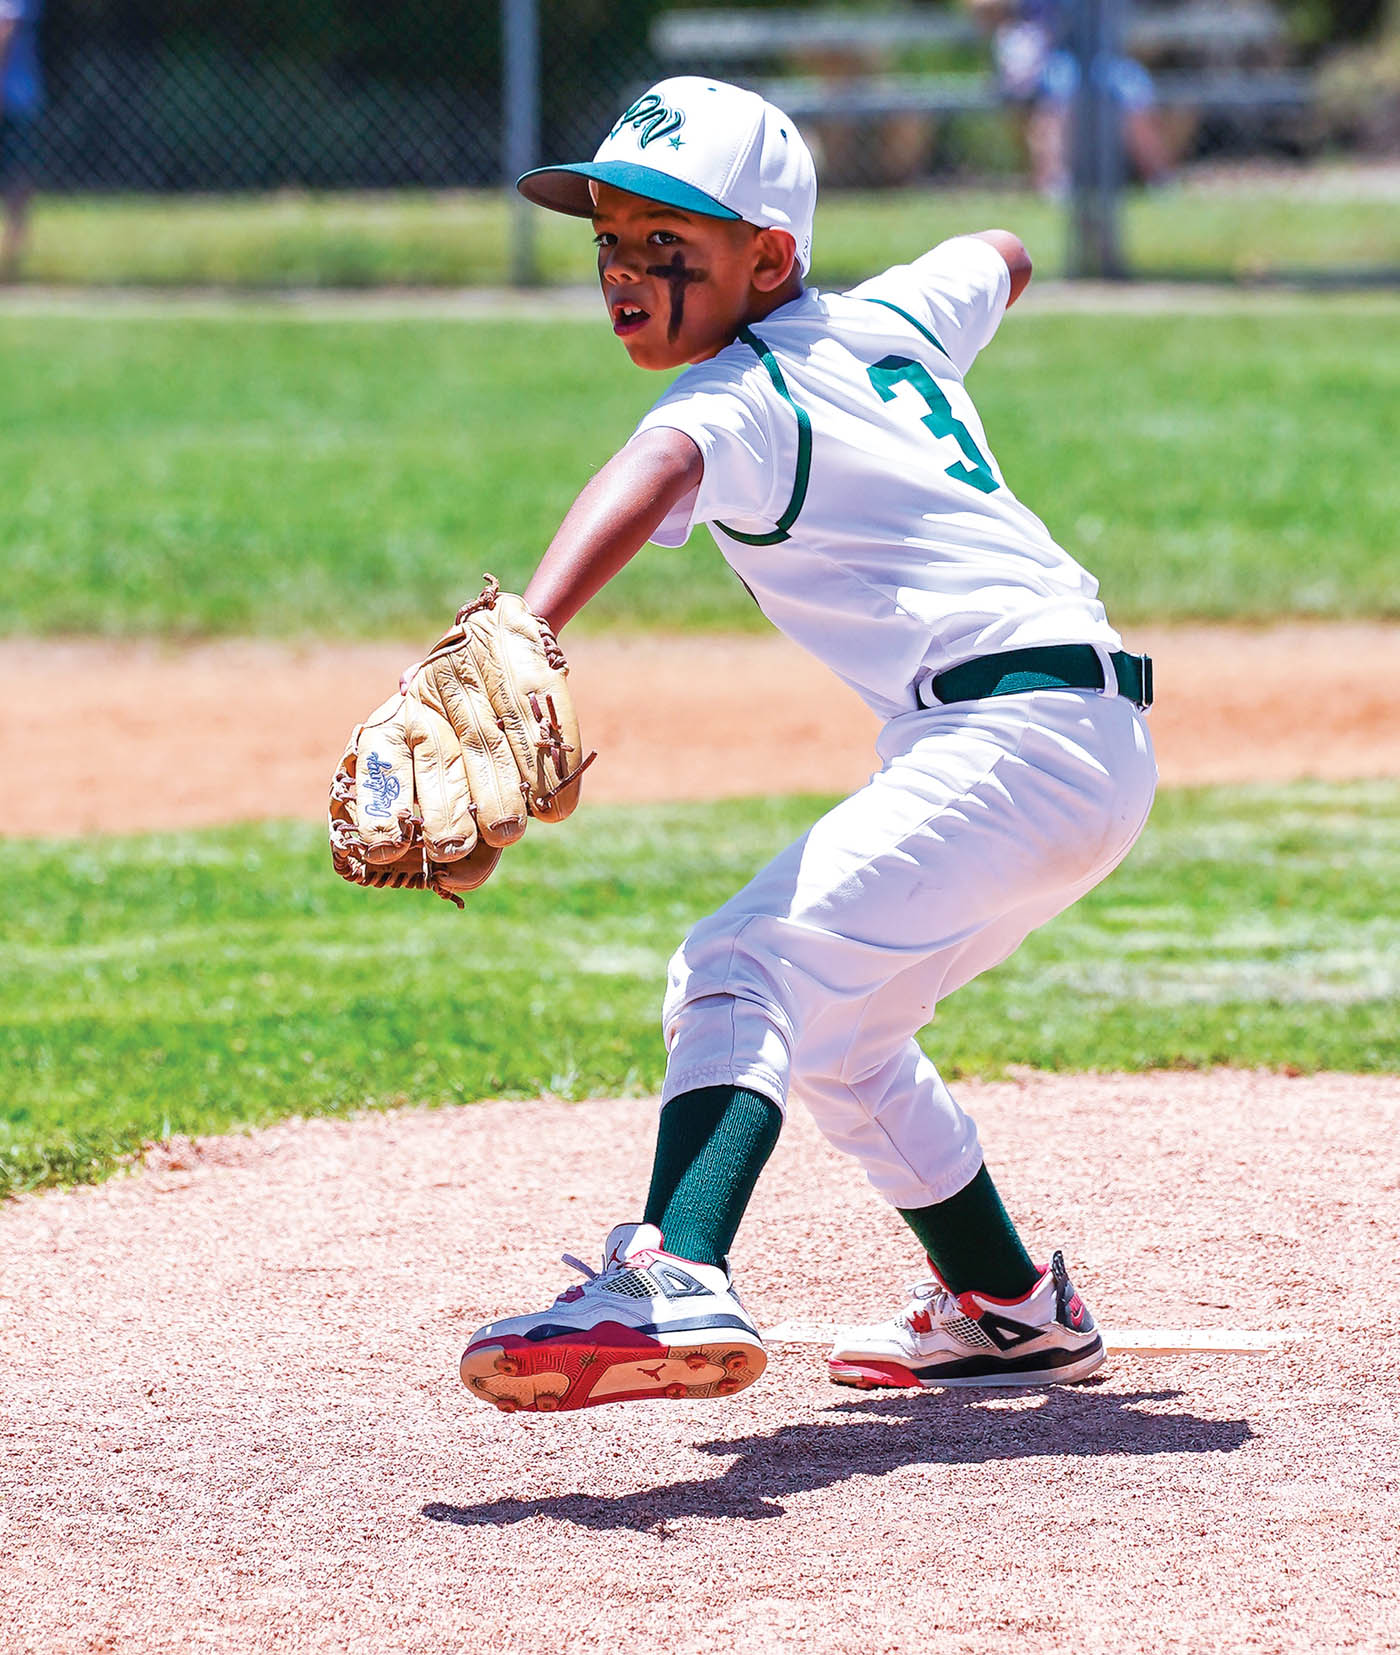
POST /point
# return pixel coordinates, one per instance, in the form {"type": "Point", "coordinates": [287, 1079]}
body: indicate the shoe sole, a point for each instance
{"type": "Point", "coordinates": [868, 1376]}
{"type": "Point", "coordinates": [608, 1363]}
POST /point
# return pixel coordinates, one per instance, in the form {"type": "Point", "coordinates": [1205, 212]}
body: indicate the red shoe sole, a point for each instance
{"type": "Point", "coordinates": [607, 1363]}
{"type": "Point", "coordinates": [866, 1376]}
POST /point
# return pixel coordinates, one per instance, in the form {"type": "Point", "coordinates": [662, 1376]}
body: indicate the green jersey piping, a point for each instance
{"type": "Point", "coordinates": [918, 327]}
{"type": "Point", "coordinates": [804, 451]}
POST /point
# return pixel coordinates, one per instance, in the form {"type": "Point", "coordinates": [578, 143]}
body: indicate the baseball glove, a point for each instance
{"type": "Point", "coordinates": [481, 736]}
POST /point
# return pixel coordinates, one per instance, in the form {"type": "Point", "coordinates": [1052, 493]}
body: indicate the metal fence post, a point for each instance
{"type": "Point", "coordinates": [520, 129]}
{"type": "Point", "coordinates": [1096, 165]}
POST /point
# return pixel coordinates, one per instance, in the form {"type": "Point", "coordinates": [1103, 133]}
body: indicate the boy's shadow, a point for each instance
{"type": "Point", "coordinates": [939, 1428]}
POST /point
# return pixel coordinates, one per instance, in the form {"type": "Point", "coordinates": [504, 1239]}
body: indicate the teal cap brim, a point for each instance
{"type": "Point", "coordinates": [565, 189]}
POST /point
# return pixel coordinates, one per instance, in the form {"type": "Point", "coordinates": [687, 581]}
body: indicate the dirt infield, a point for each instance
{"type": "Point", "coordinates": [231, 1418]}
{"type": "Point", "coordinates": [188, 736]}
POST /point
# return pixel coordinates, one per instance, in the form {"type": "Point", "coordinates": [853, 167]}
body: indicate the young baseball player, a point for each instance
{"type": "Point", "coordinates": [829, 444]}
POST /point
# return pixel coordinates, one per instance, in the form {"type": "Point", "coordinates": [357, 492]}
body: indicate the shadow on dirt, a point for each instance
{"type": "Point", "coordinates": [939, 1428]}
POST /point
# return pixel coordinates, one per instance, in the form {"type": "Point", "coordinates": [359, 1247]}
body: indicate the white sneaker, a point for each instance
{"type": "Point", "coordinates": [943, 1338]}
{"type": "Point", "coordinates": [648, 1324]}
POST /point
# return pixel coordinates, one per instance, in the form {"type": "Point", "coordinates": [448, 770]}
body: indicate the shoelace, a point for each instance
{"type": "Point", "coordinates": [592, 1277]}
{"type": "Point", "coordinates": [928, 1301]}
{"type": "Point", "coordinates": [583, 1269]}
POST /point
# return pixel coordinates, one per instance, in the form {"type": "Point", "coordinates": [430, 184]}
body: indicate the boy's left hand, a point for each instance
{"type": "Point", "coordinates": [482, 735]}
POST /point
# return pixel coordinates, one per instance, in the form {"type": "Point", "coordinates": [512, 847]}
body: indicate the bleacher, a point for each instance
{"type": "Point", "coordinates": [1210, 58]}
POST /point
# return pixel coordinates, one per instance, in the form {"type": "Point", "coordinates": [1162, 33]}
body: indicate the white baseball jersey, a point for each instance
{"type": "Point", "coordinates": [849, 484]}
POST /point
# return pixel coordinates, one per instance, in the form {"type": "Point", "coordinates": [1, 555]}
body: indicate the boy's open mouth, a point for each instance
{"type": "Point", "coordinates": [627, 318]}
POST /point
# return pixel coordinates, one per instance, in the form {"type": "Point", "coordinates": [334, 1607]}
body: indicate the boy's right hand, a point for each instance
{"type": "Point", "coordinates": [481, 735]}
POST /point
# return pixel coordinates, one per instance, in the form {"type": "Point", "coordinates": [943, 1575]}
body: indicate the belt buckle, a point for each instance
{"type": "Point", "coordinates": [1143, 699]}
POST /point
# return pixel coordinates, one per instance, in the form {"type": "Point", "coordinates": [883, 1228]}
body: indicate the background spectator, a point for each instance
{"type": "Point", "coordinates": [1037, 73]}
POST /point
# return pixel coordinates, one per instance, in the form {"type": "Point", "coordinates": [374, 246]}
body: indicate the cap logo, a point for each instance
{"type": "Point", "coordinates": [652, 119]}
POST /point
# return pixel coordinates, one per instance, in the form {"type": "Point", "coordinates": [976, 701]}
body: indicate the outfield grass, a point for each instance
{"type": "Point", "coordinates": [448, 239]}
{"type": "Point", "coordinates": [182, 984]}
{"type": "Point", "coordinates": [254, 473]}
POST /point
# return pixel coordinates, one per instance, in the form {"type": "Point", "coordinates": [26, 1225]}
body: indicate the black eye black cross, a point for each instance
{"type": "Point", "coordinates": [677, 274]}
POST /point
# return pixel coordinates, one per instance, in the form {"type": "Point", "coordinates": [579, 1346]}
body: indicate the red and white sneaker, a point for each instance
{"type": "Point", "coordinates": [648, 1324]}
{"type": "Point", "coordinates": [943, 1338]}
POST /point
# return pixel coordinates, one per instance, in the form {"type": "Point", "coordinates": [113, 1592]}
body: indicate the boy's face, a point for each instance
{"type": "Point", "coordinates": [678, 285]}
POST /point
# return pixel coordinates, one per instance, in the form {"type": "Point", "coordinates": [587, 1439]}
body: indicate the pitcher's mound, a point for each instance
{"type": "Point", "coordinates": [232, 1418]}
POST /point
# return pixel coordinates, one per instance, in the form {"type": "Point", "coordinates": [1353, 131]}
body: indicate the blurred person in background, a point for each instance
{"type": "Point", "coordinates": [1037, 73]}
{"type": "Point", "coordinates": [21, 93]}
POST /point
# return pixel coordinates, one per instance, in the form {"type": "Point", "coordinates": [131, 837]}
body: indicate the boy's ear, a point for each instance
{"type": "Point", "coordinates": [775, 259]}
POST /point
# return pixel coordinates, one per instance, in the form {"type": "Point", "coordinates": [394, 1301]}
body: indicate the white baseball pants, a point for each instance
{"type": "Point", "coordinates": [986, 818]}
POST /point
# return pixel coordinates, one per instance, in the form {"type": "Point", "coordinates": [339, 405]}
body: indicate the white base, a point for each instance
{"type": "Point", "coordinates": [1123, 1341]}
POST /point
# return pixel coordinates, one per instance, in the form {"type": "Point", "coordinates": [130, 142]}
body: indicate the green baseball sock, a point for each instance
{"type": "Point", "coordinates": [711, 1146]}
{"type": "Point", "coordinates": [973, 1243]}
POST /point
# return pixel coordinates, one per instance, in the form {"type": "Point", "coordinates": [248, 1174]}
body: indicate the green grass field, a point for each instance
{"type": "Point", "coordinates": [1246, 230]}
{"type": "Point", "coordinates": [254, 473]}
{"type": "Point", "coordinates": [192, 983]}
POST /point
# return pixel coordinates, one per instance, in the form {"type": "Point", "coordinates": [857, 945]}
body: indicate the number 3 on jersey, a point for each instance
{"type": "Point", "coordinates": [940, 419]}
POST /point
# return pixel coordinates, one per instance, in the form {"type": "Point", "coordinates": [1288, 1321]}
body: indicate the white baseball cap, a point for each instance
{"type": "Point", "coordinates": [703, 146]}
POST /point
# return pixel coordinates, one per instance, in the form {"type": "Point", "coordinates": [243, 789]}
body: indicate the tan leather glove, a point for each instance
{"type": "Point", "coordinates": [481, 736]}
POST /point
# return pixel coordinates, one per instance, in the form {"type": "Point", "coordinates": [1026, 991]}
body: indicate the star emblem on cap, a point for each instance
{"type": "Point", "coordinates": [675, 143]}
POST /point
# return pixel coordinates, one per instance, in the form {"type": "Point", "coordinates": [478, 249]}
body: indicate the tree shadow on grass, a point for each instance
{"type": "Point", "coordinates": [875, 1436]}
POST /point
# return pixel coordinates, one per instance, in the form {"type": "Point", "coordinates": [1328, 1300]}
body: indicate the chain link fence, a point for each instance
{"type": "Point", "coordinates": [179, 96]}
{"type": "Point", "coordinates": [186, 95]}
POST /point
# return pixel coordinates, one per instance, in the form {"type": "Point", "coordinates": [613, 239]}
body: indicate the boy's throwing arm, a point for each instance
{"type": "Point", "coordinates": [611, 520]}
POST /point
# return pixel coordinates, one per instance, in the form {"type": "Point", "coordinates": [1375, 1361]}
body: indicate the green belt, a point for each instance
{"type": "Point", "coordinates": [1048, 667]}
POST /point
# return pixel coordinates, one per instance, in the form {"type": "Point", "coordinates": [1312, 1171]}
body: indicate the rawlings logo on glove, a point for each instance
{"type": "Point", "coordinates": [381, 784]}
{"type": "Point", "coordinates": [481, 736]}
